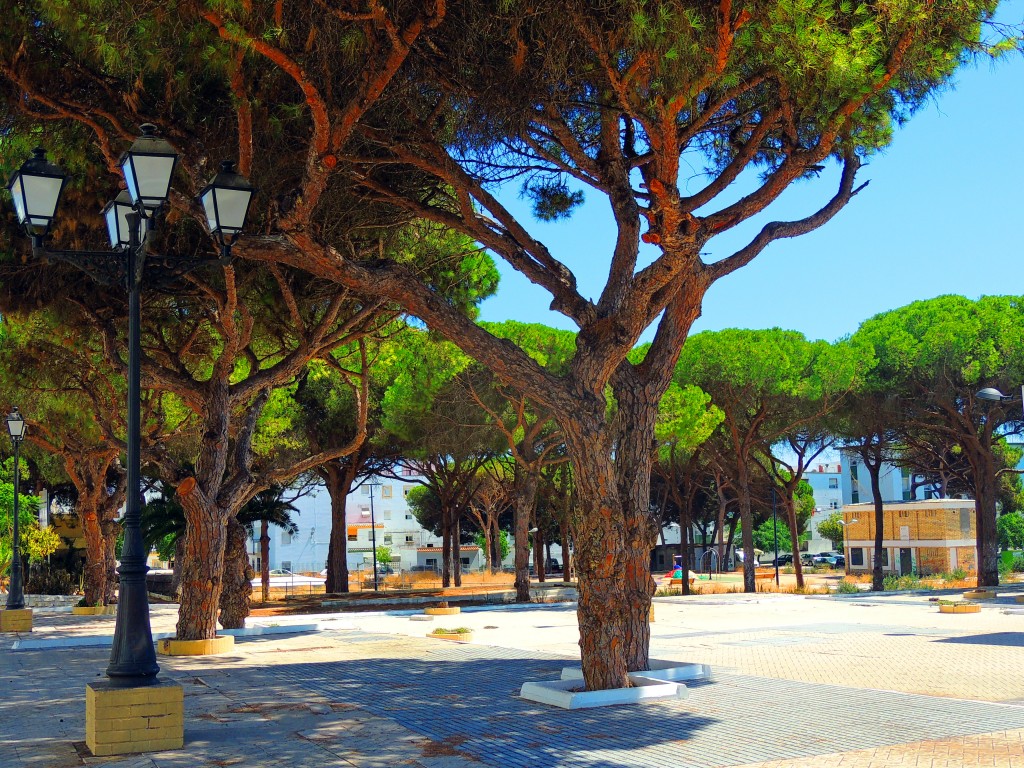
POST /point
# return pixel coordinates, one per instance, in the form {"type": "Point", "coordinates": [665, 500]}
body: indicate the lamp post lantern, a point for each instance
{"type": "Point", "coordinates": [16, 591]}
{"type": "Point", "coordinates": [131, 218]}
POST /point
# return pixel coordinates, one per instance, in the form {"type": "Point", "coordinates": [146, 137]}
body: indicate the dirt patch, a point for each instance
{"type": "Point", "coordinates": [446, 747]}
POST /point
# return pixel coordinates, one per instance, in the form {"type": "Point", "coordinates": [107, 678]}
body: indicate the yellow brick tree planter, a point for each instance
{"type": "Point", "coordinates": [172, 647]}
{"type": "Point", "coordinates": [461, 634]}
{"type": "Point", "coordinates": [442, 609]}
{"type": "Point", "coordinates": [94, 610]}
{"type": "Point", "coordinates": [16, 620]}
{"type": "Point", "coordinates": [951, 607]}
{"type": "Point", "coordinates": [141, 719]}
{"type": "Point", "coordinates": [980, 594]}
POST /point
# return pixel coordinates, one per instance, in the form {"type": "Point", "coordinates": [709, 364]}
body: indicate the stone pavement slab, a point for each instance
{"type": "Point", "coordinates": [386, 695]}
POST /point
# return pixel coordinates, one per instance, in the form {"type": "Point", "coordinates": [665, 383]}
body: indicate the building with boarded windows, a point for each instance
{"type": "Point", "coordinates": [922, 537]}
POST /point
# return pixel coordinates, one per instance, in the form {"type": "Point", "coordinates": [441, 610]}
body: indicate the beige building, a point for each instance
{"type": "Point", "coordinates": [923, 537]}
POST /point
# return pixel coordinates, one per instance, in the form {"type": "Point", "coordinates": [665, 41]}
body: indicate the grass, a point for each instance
{"type": "Point", "coordinates": [455, 631]}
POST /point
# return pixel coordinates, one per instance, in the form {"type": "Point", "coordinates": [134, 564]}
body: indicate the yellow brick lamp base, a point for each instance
{"type": "Point", "coordinates": [17, 620]}
{"type": "Point", "coordinates": [123, 720]}
{"type": "Point", "coordinates": [172, 647]}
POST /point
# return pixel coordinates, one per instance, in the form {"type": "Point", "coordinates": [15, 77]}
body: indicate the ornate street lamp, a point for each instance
{"type": "Point", "coordinates": [16, 593]}
{"type": "Point", "coordinates": [36, 188]}
{"type": "Point", "coordinates": [226, 202]}
{"type": "Point", "coordinates": [131, 217]}
{"type": "Point", "coordinates": [148, 166]}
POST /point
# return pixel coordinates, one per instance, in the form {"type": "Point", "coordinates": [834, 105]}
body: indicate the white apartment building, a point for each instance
{"type": "Point", "coordinates": [377, 511]}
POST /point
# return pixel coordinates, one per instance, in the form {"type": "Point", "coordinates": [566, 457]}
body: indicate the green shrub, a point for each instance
{"type": "Point", "coordinates": [845, 587]}
{"type": "Point", "coordinates": [1018, 564]}
{"type": "Point", "coordinates": [43, 580]}
{"type": "Point", "coordinates": [893, 583]}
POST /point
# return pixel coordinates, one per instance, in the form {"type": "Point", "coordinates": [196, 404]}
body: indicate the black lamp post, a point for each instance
{"type": "Point", "coordinates": [131, 217]}
{"type": "Point", "coordinates": [16, 592]}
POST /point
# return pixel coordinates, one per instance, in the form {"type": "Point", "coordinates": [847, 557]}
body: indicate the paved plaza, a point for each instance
{"type": "Point", "coordinates": [798, 681]}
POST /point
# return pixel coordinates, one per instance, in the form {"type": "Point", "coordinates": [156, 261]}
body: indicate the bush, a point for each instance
{"type": "Point", "coordinates": [1018, 564]}
{"type": "Point", "coordinates": [44, 580]}
{"type": "Point", "coordinates": [847, 587]}
{"type": "Point", "coordinates": [894, 583]}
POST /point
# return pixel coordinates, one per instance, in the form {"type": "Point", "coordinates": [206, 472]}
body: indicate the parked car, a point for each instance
{"type": "Point", "coordinates": [785, 558]}
{"type": "Point", "coordinates": [840, 561]}
{"type": "Point", "coordinates": [806, 558]}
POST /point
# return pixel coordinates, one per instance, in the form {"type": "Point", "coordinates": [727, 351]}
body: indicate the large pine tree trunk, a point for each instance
{"type": "Point", "coordinates": [985, 484]}
{"type": "Point", "coordinates": [203, 565]}
{"type": "Point", "coordinates": [111, 530]}
{"type": "Point", "coordinates": [238, 574]}
{"type": "Point", "coordinates": [794, 538]}
{"type": "Point", "coordinates": [638, 410]}
{"type": "Point", "coordinates": [456, 551]}
{"type": "Point", "coordinates": [339, 483]}
{"type": "Point", "coordinates": [95, 577]}
{"type": "Point", "coordinates": [746, 527]}
{"type": "Point", "coordinates": [525, 489]}
{"type": "Point", "coordinates": [874, 467]}
{"type": "Point", "coordinates": [446, 546]}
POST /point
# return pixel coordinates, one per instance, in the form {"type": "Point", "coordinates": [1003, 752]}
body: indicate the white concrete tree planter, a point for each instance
{"type": "Point", "coordinates": [670, 671]}
{"type": "Point", "coordinates": [567, 694]}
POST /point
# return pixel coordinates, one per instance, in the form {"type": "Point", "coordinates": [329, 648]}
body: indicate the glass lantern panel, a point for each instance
{"type": "Point", "coordinates": [41, 195]}
{"type": "Point", "coordinates": [148, 177]}
{"type": "Point", "coordinates": [232, 205]}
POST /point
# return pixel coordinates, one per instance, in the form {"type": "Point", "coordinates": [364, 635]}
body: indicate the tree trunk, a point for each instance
{"type": "Point", "coordinates": [265, 560]}
{"type": "Point", "coordinates": [179, 558]}
{"type": "Point", "coordinates": [496, 558]}
{"type": "Point", "coordinates": [338, 482]}
{"type": "Point", "coordinates": [525, 489]}
{"type": "Point", "coordinates": [202, 567]}
{"type": "Point", "coordinates": [746, 528]}
{"type": "Point", "coordinates": [985, 485]}
{"type": "Point", "coordinates": [95, 577]}
{"type": "Point", "coordinates": [794, 537]}
{"type": "Point", "coordinates": [456, 551]}
{"type": "Point", "coordinates": [538, 556]}
{"type": "Point", "coordinates": [566, 574]}
{"type": "Point", "coordinates": [111, 530]}
{"type": "Point", "coordinates": [873, 464]}
{"type": "Point", "coordinates": [446, 546]}
{"type": "Point", "coordinates": [238, 574]}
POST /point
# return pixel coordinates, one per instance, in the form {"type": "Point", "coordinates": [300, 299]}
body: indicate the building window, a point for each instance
{"type": "Point", "coordinates": [854, 484]}
{"type": "Point", "coordinates": [286, 538]}
{"type": "Point", "coordinates": [405, 491]}
{"type": "Point", "coordinates": [364, 510]}
{"type": "Point", "coordinates": [286, 565]}
{"type": "Point", "coordinates": [465, 562]}
{"type": "Point", "coordinates": [409, 517]}
{"type": "Point", "coordinates": [364, 490]}
{"type": "Point", "coordinates": [353, 534]}
{"type": "Point", "coordinates": [408, 539]}
{"type": "Point", "coordinates": [833, 505]}
{"type": "Point", "coordinates": [885, 558]}
{"type": "Point", "coordinates": [833, 482]}
{"type": "Point", "coordinates": [407, 472]}
{"type": "Point", "coordinates": [857, 556]}
{"type": "Point", "coordinates": [387, 538]}
{"type": "Point", "coordinates": [385, 491]}
{"type": "Point", "coordinates": [431, 562]}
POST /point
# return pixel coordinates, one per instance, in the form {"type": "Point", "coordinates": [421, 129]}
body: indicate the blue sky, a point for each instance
{"type": "Point", "coordinates": [944, 213]}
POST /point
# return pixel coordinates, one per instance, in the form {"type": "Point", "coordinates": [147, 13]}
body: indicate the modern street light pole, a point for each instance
{"type": "Point", "coordinates": [16, 590]}
{"type": "Point", "coordinates": [131, 218]}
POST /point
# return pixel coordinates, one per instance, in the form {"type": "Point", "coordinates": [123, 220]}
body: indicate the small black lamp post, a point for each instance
{"type": "Point", "coordinates": [131, 217]}
{"type": "Point", "coordinates": [16, 592]}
